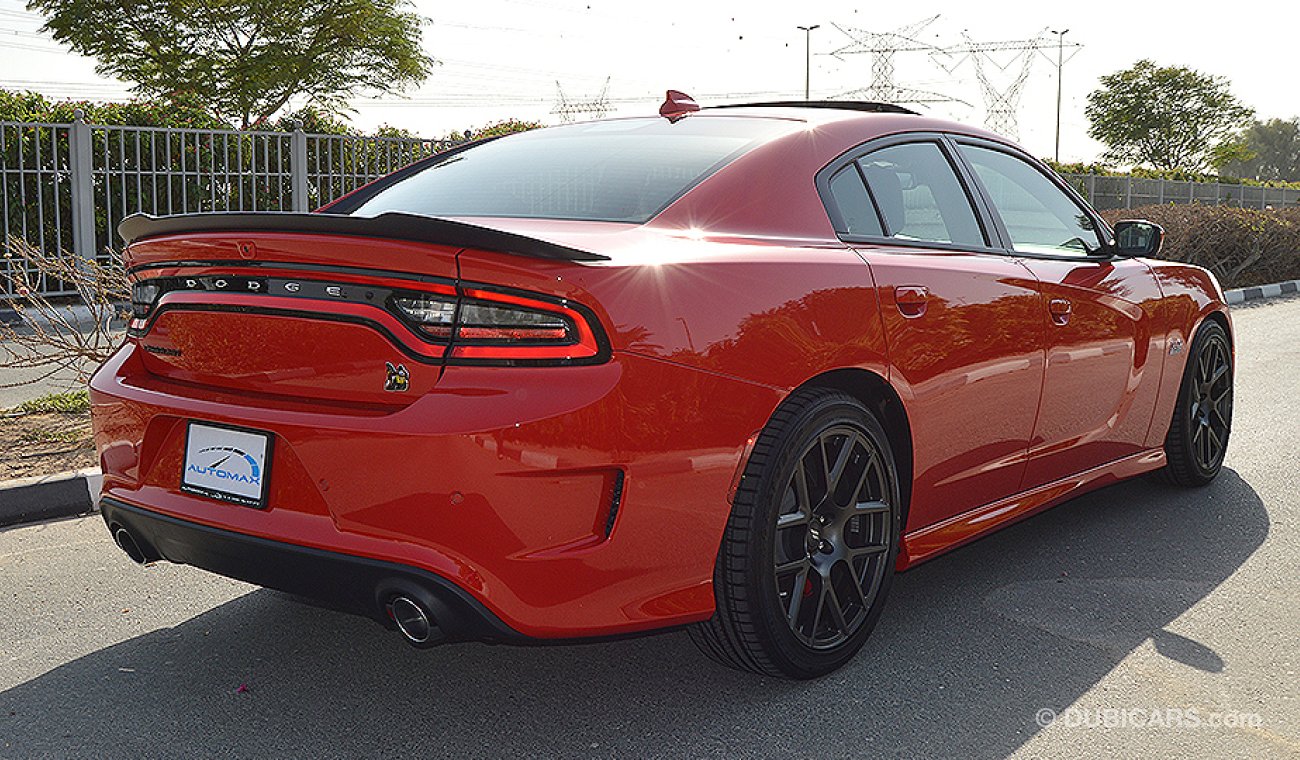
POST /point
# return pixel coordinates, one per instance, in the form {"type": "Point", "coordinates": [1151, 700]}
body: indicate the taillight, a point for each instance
{"type": "Point", "coordinates": [474, 325]}
{"type": "Point", "coordinates": [433, 314]}
{"type": "Point", "coordinates": [143, 297]}
{"type": "Point", "coordinates": [482, 322]}
{"type": "Point", "coordinates": [495, 327]}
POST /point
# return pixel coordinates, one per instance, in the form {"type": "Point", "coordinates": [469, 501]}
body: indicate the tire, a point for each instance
{"type": "Point", "coordinates": [1198, 434]}
{"type": "Point", "coordinates": [798, 599]}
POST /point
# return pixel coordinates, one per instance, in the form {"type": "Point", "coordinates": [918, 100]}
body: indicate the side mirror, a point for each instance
{"type": "Point", "coordinates": [1138, 237]}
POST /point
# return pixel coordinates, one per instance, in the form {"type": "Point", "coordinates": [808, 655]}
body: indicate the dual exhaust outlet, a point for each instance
{"type": "Point", "coordinates": [408, 612]}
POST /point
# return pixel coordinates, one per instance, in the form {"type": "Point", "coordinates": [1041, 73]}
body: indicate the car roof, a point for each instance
{"type": "Point", "coordinates": [867, 106]}
{"type": "Point", "coordinates": [856, 120]}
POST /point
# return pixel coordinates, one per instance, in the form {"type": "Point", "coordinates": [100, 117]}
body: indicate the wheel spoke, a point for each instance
{"type": "Point", "coordinates": [801, 488]}
{"type": "Point", "coordinates": [862, 479]}
{"type": "Point", "coordinates": [796, 598]}
{"type": "Point", "coordinates": [793, 564]}
{"type": "Point", "coordinates": [870, 508]}
{"type": "Point", "coordinates": [817, 613]}
{"type": "Point", "coordinates": [835, 473]}
{"type": "Point", "coordinates": [837, 613]}
{"type": "Point", "coordinates": [1219, 373]}
{"type": "Point", "coordinates": [1218, 412]}
{"type": "Point", "coordinates": [791, 519]}
{"type": "Point", "coordinates": [866, 550]}
{"type": "Point", "coordinates": [1215, 444]}
{"type": "Point", "coordinates": [858, 578]}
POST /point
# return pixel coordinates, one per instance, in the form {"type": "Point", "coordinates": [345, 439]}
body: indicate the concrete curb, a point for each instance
{"type": "Point", "coordinates": [1241, 295]}
{"type": "Point", "coordinates": [44, 497]}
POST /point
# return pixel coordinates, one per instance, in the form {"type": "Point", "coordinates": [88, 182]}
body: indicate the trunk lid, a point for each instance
{"type": "Point", "coordinates": [302, 315]}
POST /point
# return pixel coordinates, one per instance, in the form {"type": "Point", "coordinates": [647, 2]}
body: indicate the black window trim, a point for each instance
{"type": "Point", "coordinates": [1106, 233]}
{"type": "Point", "coordinates": [992, 235]}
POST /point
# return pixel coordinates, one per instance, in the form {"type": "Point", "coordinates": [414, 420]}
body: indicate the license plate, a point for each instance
{"type": "Point", "coordinates": [227, 463]}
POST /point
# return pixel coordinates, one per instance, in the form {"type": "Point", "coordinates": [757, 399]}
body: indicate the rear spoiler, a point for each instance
{"type": "Point", "coordinates": [391, 225]}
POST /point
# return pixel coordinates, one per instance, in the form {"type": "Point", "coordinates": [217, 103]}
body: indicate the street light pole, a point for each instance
{"type": "Point", "coordinates": [1060, 64]}
{"type": "Point", "coordinates": [807, 58]}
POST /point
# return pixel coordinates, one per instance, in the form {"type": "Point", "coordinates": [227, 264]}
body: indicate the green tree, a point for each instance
{"type": "Point", "coordinates": [246, 58]}
{"type": "Point", "coordinates": [1167, 117]}
{"type": "Point", "coordinates": [1272, 151]}
{"type": "Point", "coordinates": [177, 112]}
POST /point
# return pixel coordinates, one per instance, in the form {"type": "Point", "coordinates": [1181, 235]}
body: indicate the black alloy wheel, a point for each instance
{"type": "Point", "coordinates": [832, 537]}
{"type": "Point", "coordinates": [808, 555]}
{"type": "Point", "coordinates": [1198, 434]}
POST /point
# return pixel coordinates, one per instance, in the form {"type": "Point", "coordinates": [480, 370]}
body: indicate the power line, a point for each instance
{"type": "Point", "coordinates": [1002, 69]}
{"type": "Point", "coordinates": [569, 109]}
{"type": "Point", "coordinates": [883, 47]}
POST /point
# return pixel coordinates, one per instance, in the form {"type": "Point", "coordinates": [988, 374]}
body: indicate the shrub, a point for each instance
{"type": "Point", "coordinates": [1180, 175]}
{"type": "Point", "coordinates": [1243, 247]}
{"type": "Point", "coordinates": [52, 336]}
{"type": "Point", "coordinates": [507, 127]}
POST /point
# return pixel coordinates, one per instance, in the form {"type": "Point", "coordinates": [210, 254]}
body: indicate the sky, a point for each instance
{"type": "Point", "coordinates": [500, 59]}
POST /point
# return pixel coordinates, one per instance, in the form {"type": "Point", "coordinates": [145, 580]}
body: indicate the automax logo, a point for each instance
{"type": "Point", "coordinates": [225, 454]}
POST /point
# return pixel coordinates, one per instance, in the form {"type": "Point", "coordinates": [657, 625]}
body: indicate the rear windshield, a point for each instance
{"type": "Point", "coordinates": [625, 170]}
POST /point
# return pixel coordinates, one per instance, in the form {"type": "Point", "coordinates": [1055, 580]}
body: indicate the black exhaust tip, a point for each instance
{"type": "Point", "coordinates": [127, 543]}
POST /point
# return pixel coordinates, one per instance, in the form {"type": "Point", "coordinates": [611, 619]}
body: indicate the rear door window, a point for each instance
{"type": "Point", "coordinates": [1038, 215]}
{"type": "Point", "coordinates": [920, 196]}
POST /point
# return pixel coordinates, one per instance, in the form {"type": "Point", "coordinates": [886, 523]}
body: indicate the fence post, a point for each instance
{"type": "Point", "coordinates": [81, 175]}
{"type": "Point", "coordinates": [298, 167]}
{"type": "Point", "coordinates": [1128, 193]}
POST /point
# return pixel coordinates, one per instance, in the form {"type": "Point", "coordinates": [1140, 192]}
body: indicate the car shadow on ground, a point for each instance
{"type": "Point", "coordinates": [970, 646]}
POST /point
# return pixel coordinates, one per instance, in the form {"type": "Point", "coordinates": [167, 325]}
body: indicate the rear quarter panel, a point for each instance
{"type": "Point", "coordinates": [767, 313]}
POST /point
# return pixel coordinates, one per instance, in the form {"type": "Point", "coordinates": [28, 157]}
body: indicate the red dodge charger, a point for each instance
{"type": "Point", "coordinates": [727, 368]}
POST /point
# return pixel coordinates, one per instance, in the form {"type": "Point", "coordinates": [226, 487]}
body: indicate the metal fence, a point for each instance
{"type": "Point", "coordinates": [65, 187]}
{"type": "Point", "coordinates": [1129, 192]}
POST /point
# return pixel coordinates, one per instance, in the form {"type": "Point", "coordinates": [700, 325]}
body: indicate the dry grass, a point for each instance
{"type": "Point", "coordinates": [45, 443]}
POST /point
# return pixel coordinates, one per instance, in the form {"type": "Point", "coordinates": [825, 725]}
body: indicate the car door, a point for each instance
{"type": "Point", "coordinates": [1101, 377]}
{"type": "Point", "coordinates": [964, 337]}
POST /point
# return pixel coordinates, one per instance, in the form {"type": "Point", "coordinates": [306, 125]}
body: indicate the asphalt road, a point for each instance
{"type": "Point", "coordinates": [1136, 604]}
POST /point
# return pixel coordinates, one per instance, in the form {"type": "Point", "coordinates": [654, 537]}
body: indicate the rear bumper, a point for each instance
{"type": "Point", "coordinates": [566, 502]}
{"type": "Point", "coordinates": [352, 584]}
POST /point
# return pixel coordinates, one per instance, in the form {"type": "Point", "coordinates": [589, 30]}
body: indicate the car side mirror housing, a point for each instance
{"type": "Point", "coordinates": [1138, 237]}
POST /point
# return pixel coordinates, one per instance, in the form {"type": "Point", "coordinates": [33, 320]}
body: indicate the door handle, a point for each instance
{"type": "Point", "coordinates": [911, 299]}
{"type": "Point", "coordinates": [1060, 309]}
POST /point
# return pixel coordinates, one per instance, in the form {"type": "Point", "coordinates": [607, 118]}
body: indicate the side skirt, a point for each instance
{"type": "Point", "coordinates": [932, 540]}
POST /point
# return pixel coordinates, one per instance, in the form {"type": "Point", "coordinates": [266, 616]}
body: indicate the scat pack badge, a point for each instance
{"type": "Point", "coordinates": [398, 378]}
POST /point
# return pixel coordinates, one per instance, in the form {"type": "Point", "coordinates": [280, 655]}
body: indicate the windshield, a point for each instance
{"type": "Point", "coordinates": [625, 170]}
